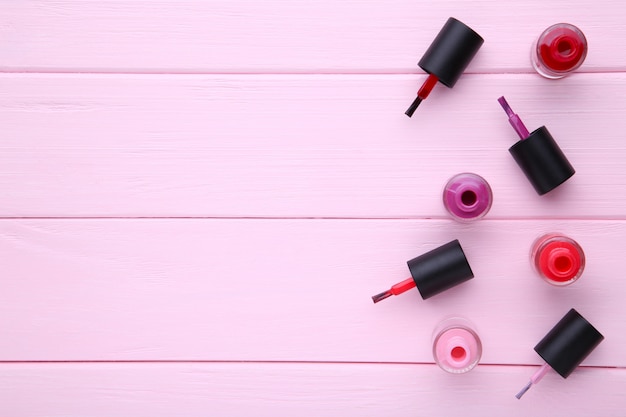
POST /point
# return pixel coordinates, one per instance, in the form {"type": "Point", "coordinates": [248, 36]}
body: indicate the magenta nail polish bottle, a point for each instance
{"type": "Point", "coordinates": [467, 197]}
{"type": "Point", "coordinates": [557, 259]}
{"type": "Point", "coordinates": [537, 154]}
{"type": "Point", "coordinates": [558, 51]}
{"type": "Point", "coordinates": [456, 345]}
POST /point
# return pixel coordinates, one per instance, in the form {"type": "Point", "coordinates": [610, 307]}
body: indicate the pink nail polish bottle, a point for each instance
{"type": "Point", "coordinates": [569, 342]}
{"type": "Point", "coordinates": [467, 197]}
{"type": "Point", "coordinates": [559, 50]}
{"type": "Point", "coordinates": [456, 345]}
{"type": "Point", "coordinates": [558, 259]}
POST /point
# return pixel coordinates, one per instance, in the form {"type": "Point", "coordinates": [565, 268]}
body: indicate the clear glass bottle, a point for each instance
{"type": "Point", "coordinates": [467, 197]}
{"type": "Point", "coordinates": [558, 51]}
{"type": "Point", "coordinates": [456, 345]}
{"type": "Point", "coordinates": [558, 259]}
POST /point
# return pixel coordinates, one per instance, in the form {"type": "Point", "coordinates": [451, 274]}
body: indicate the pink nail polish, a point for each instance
{"type": "Point", "coordinates": [456, 345]}
{"type": "Point", "coordinates": [559, 50]}
{"type": "Point", "coordinates": [558, 259]}
{"type": "Point", "coordinates": [569, 342]}
{"type": "Point", "coordinates": [467, 197]}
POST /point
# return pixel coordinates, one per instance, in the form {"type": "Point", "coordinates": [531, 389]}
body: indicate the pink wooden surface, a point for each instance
{"type": "Point", "coordinates": [199, 198]}
{"type": "Point", "coordinates": [297, 145]}
{"type": "Point", "coordinates": [279, 36]}
{"type": "Point", "coordinates": [216, 289]}
{"type": "Point", "coordinates": [288, 389]}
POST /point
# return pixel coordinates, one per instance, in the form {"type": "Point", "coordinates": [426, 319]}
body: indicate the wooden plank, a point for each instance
{"type": "Point", "coordinates": [297, 146]}
{"type": "Point", "coordinates": [287, 290]}
{"type": "Point", "coordinates": [287, 36]}
{"type": "Point", "coordinates": [198, 389]}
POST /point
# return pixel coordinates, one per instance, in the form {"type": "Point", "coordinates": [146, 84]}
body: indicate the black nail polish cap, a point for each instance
{"type": "Point", "coordinates": [451, 52]}
{"type": "Point", "coordinates": [568, 343]}
{"type": "Point", "coordinates": [440, 269]}
{"type": "Point", "coordinates": [542, 161]}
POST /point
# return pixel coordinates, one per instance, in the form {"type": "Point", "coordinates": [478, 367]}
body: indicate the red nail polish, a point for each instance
{"type": "Point", "coordinates": [569, 342]}
{"type": "Point", "coordinates": [446, 58]}
{"type": "Point", "coordinates": [433, 272]}
{"type": "Point", "coordinates": [559, 50]}
{"type": "Point", "coordinates": [456, 345]}
{"type": "Point", "coordinates": [558, 259]}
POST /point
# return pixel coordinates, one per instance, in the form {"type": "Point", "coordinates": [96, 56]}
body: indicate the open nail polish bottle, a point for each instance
{"type": "Point", "coordinates": [558, 51]}
{"type": "Point", "coordinates": [558, 259]}
{"type": "Point", "coordinates": [569, 342]}
{"type": "Point", "coordinates": [467, 197]}
{"type": "Point", "coordinates": [433, 272]}
{"type": "Point", "coordinates": [456, 345]}
{"type": "Point", "coordinates": [446, 58]}
{"type": "Point", "coordinates": [538, 154]}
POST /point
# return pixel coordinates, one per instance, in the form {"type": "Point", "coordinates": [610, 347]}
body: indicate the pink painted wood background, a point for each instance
{"type": "Point", "coordinates": [199, 198]}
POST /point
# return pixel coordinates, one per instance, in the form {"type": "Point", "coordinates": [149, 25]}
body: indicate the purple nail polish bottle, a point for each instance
{"type": "Point", "coordinates": [467, 197]}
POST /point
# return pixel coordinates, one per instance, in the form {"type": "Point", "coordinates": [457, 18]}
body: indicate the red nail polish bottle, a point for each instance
{"type": "Point", "coordinates": [559, 50]}
{"type": "Point", "coordinates": [446, 58]}
{"type": "Point", "coordinates": [433, 272]}
{"type": "Point", "coordinates": [558, 259]}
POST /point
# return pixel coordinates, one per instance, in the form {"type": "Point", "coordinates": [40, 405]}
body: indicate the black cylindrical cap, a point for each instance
{"type": "Point", "coordinates": [568, 343]}
{"type": "Point", "coordinates": [440, 269]}
{"type": "Point", "coordinates": [451, 52]}
{"type": "Point", "coordinates": [541, 159]}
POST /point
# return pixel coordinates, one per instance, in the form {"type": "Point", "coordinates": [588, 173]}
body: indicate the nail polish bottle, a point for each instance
{"type": "Point", "coordinates": [433, 272]}
{"type": "Point", "coordinates": [538, 155]}
{"type": "Point", "coordinates": [446, 58]}
{"type": "Point", "coordinates": [558, 51]}
{"type": "Point", "coordinates": [467, 197]}
{"type": "Point", "coordinates": [565, 347]}
{"type": "Point", "coordinates": [558, 259]}
{"type": "Point", "coordinates": [456, 345]}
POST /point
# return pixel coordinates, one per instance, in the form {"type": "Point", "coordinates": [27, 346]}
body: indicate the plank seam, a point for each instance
{"type": "Point", "coordinates": [274, 72]}
{"type": "Point", "coordinates": [324, 218]}
{"type": "Point", "coordinates": [271, 362]}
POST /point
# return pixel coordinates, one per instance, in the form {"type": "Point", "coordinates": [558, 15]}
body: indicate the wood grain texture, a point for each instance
{"type": "Point", "coordinates": [287, 290]}
{"type": "Point", "coordinates": [230, 390]}
{"type": "Point", "coordinates": [199, 197]}
{"type": "Point", "coordinates": [288, 36]}
{"type": "Point", "coordinates": [297, 146]}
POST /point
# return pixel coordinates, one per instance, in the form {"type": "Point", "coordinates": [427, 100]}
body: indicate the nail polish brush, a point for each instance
{"type": "Point", "coordinates": [538, 154]}
{"type": "Point", "coordinates": [569, 342]}
{"type": "Point", "coordinates": [446, 58]}
{"type": "Point", "coordinates": [433, 272]}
